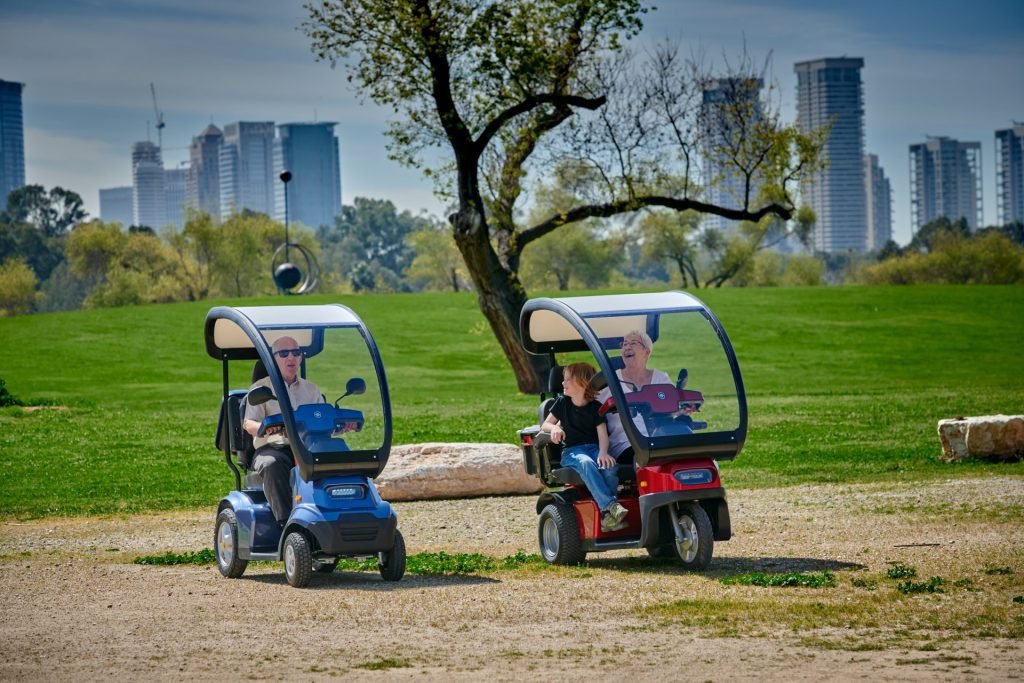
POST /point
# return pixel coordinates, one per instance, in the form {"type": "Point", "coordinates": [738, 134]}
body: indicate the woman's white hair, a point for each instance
{"type": "Point", "coordinates": [644, 338]}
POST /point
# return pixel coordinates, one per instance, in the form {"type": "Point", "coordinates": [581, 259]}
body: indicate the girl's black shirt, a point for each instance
{"type": "Point", "coordinates": [578, 422]}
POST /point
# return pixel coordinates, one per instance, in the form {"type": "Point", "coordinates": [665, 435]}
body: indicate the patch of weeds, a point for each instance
{"type": "Point", "coordinates": [866, 584]}
{"type": "Point", "coordinates": [442, 563]}
{"type": "Point", "coordinates": [1018, 599]}
{"type": "Point", "coordinates": [898, 570]}
{"type": "Point", "coordinates": [965, 583]}
{"type": "Point", "coordinates": [6, 397]}
{"type": "Point", "coordinates": [383, 664]}
{"type": "Point", "coordinates": [932, 585]}
{"type": "Point", "coordinates": [825, 579]}
{"type": "Point", "coordinates": [204, 556]}
{"type": "Point", "coordinates": [991, 571]}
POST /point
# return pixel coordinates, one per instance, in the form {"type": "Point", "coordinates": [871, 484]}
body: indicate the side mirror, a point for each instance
{"type": "Point", "coordinates": [356, 385]}
{"type": "Point", "coordinates": [260, 395]}
{"type": "Point", "coordinates": [682, 378]}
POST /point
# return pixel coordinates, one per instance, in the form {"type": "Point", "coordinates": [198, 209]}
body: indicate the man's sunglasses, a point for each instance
{"type": "Point", "coordinates": [284, 353]}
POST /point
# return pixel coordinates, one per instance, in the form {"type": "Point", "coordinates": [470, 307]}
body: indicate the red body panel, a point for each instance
{"type": "Point", "coordinates": [660, 477]}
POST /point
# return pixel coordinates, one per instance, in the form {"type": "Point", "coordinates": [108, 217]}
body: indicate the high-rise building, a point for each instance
{"type": "Point", "coordinates": [149, 201]}
{"type": "Point", "coordinates": [879, 201]}
{"type": "Point", "coordinates": [310, 152]}
{"type": "Point", "coordinates": [247, 168]}
{"type": "Point", "coordinates": [730, 107]}
{"type": "Point", "coordinates": [116, 205]}
{"type": "Point", "coordinates": [12, 140]}
{"type": "Point", "coordinates": [1010, 175]}
{"type": "Point", "coordinates": [175, 196]}
{"type": "Point", "coordinates": [204, 171]}
{"type": "Point", "coordinates": [830, 92]}
{"type": "Point", "coordinates": [945, 180]}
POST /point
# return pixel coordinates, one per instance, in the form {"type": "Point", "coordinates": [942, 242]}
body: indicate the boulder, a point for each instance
{"type": "Point", "coordinates": [991, 437]}
{"type": "Point", "coordinates": [455, 470]}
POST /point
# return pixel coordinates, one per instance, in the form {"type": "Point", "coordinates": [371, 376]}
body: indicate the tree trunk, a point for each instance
{"type": "Point", "coordinates": [501, 297]}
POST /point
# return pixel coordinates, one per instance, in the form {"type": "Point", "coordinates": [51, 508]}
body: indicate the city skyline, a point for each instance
{"type": "Point", "coordinates": [930, 69]}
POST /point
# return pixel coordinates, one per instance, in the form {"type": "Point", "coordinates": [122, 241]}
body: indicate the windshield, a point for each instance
{"type": "Point", "coordinates": [337, 360]}
{"type": "Point", "coordinates": [690, 388]}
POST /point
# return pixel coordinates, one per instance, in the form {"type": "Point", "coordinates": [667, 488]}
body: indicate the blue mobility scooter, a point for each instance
{"type": "Point", "coordinates": [337, 510]}
{"type": "Point", "coordinates": [671, 489]}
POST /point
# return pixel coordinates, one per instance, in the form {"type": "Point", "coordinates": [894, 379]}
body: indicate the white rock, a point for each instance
{"type": "Point", "coordinates": [455, 470]}
{"type": "Point", "coordinates": [994, 437]}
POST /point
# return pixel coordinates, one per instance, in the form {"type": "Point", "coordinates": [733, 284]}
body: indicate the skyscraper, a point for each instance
{"type": "Point", "coordinates": [310, 152]}
{"type": "Point", "coordinates": [149, 202]}
{"type": "Point", "coordinates": [246, 168]}
{"type": "Point", "coordinates": [12, 140]}
{"type": "Point", "coordinates": [204, 171]}
{"type": "Point", "coordinates": [945, 180]}
{"type": "Point", "coordinates": [1010, 175]}
{"type": "Point", "coordinates": [116, 205]}
{"type": "Point", "coordinates": [829, 91]}
{"type": "Point", "coordinates": [879, 203]}
{"type": "Point", "coordinates": [730, 107]}
{"type": "Point", "coordinates": [175, 196]}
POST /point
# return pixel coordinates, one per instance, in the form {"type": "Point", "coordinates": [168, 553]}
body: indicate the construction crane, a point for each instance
{"type": "Point", "coordinates": [159, 119]}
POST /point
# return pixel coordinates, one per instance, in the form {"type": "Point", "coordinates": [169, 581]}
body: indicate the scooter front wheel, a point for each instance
{"type": "Point", "coordinates": [298, 560]}
{"type": "Point", "coordinates": [695, 540]}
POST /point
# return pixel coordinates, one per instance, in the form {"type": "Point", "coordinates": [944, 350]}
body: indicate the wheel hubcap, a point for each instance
{"type": "Point", "coordinates": [687, 545]}
{"type": "Point", "coordinates": [225, 545]}
{"type": "Point", "coordinates": [289, 561]}
{"type": "Point", "coordinates": [550, 544]}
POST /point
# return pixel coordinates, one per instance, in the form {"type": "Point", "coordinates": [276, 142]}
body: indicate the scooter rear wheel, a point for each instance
{"type": "Point", "coordinates": [559, 536]}
{"type": "Point", "coordinates": [225, 544]}
{"type": "Point", "coordinates": [392, 563]}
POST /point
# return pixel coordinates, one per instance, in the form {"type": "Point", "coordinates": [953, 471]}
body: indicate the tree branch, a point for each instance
{"type": "Point", "coordinates": [628, 205]}
{"type": "Point", "coordinates": [529, 103]}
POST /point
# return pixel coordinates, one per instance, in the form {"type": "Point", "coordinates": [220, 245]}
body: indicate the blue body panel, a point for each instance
{"type": "Point", "coordinates": [344, 515]}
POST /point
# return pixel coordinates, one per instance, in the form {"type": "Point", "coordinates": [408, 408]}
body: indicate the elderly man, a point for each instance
{"type": "Point", "coordinates": [273, 459]}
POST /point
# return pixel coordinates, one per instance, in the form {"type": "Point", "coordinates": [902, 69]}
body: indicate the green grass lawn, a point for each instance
{"type": "Point", "coordinates": [844, 384]}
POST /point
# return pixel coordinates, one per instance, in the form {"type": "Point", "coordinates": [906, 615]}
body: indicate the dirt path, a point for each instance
{"type": "Point", "coordinates": [74, 607]}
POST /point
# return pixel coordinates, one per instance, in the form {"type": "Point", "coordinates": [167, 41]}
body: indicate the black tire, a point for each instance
{"type": "Point", "coordinates": [298, 560]}
{"type": "Point", "coordinates": [392, 563]}
{"type": "Point", "coordinates": [325, 567]}
{"type": "Point", "coordinates": [699, 542]}
{"type": "Point", "coordinates": [225, 545]}
{"type": "Point", "coordinates": [559, 536]}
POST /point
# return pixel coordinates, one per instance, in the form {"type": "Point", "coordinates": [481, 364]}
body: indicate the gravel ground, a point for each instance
{"type": "Point", "coordinates": [74, 607]}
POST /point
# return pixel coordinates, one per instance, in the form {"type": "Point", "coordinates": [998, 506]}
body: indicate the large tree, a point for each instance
{"type": "Point", "coordinates": [508, 89]}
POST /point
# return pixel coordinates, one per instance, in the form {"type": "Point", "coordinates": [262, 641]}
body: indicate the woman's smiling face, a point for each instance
{"type": "Point", "coordinates": [634, 352]}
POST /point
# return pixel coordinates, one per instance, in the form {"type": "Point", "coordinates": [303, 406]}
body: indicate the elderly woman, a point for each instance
{"type": "Point", "coordinates": [636, 350]}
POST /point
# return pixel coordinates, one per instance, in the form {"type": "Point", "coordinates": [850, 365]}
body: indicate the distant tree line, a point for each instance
{"type": "Point", "coordinates": [52, 257]}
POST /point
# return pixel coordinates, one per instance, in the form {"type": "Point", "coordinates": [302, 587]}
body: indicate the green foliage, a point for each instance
{"type": "Point", "coordinates": [383, 664]}
{"type": "Point", "coordinates": [200, 557]}
{"type": "Point", "coordinates": [825, 579]}
{"type": "Point", "coordinates": [841, 387]}
{"type": "Point", "coordinates": [370, 235]}
{"type": "Point", "coordinates": [437, 265]}
{"type": "Point", "coordinates": [898, 570]}
{"type": "Point", "coordinates": [932, 585]}
{"type": "Point", "coordinates": [951, 257]}
{"type": "Point", "coordinates": [53, 213]}
{"type": "Point", "coordinates": [998, 571]}
{"type": "Point", "coordinates": [576, 257]}
{"type": "Point", "coordinates": [17, 288]}
{"type": "Point", "coordinates": [6, 397]}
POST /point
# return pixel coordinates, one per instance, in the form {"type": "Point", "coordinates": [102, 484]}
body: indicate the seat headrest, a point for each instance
{"type": "Point", "coordinates": [555, 379]}
{"type": "Point", "coordinates": [259, 371]}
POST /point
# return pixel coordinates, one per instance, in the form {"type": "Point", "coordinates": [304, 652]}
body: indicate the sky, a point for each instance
{"type": "Point", "coordinates": [936, 67]}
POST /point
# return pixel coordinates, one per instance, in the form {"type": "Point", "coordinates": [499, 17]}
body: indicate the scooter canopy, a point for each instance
{"type": "Point", "coordinates": [348, 431]}
{"type": "Point", "coordinates": [692, 404]}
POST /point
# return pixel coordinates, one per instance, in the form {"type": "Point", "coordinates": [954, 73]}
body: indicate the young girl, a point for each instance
{"type": "Point", "coordinates": [574, 422]}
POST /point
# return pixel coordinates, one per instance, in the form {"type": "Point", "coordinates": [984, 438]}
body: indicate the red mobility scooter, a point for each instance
{"type": "Point", "coordinates": [671, 487]}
